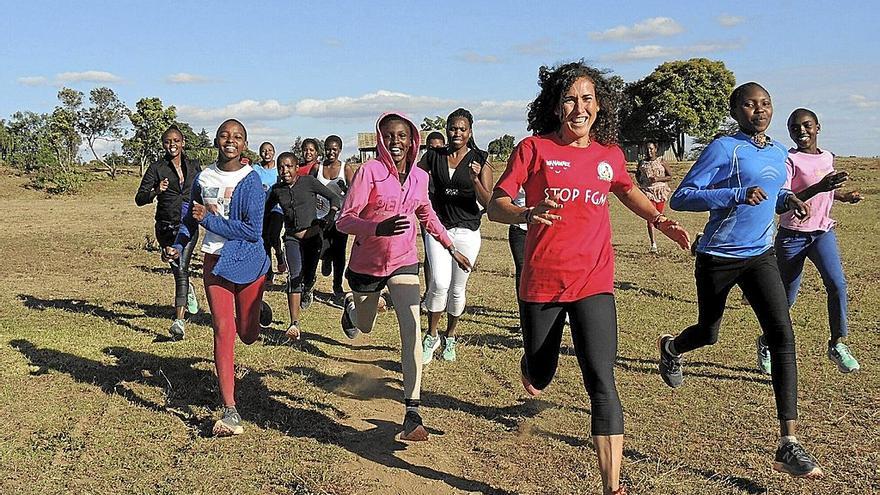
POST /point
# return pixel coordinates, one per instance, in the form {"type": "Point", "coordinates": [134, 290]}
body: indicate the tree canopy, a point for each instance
{"type": "Point", "coordinates": [678, 98]}
{"type": "Point", "coordinates": [501, 148]}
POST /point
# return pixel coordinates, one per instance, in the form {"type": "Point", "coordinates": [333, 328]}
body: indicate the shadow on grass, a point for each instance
{"type": "Point", "coordinates": [365, 385]}
{"type": "Point", "coordinates": [195, 269]}
{"type": "Point", "coordinates": [265, 408]}
{"type": "Point", "coordinates": [649, 367]}
{"type": "Point", "coordinates": [79, 306]}
{"type": "Point", "coordinates": [631, 286]}
{"type": "Point", "coordinates": [166, 312]}
{"type": "Point", "coordinates": [742, 484]}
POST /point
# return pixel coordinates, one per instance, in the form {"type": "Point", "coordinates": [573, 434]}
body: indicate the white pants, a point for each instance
{"type": "Point", "coordinates": [448, 280]}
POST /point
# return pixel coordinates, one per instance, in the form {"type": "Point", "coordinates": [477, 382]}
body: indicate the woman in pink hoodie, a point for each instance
{"type": "Point", "coordinates": [387, 196]}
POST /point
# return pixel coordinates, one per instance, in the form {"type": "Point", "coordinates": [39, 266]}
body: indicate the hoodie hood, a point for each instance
{"type": "Point", "coordinates": [382, 153]}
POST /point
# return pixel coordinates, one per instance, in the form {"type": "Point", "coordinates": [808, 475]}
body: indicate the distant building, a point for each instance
{"type": "Point", "coordinates": [636, 150]}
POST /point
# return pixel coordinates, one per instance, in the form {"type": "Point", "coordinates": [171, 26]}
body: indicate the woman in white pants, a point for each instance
{"type": "Point", "coordinates": [462, 187]}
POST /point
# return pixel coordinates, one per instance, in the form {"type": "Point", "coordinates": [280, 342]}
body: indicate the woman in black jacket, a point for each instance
{"type": "Point", "coordinates": [169, 181]}
{"type": "Point", "coordinates": [297, 196]}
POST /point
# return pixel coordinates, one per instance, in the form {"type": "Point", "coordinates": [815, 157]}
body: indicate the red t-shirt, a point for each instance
{"type": "Point", "coordinates": [306, 169]}
{"type": "Point", "coordinates": [572, 258]}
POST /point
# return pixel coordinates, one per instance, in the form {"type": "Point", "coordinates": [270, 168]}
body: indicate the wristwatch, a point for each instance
{"type": "Point", "coordinates": [452, 250]}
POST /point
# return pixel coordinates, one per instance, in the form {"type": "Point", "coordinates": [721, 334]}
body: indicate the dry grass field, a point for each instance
{"type": "Point", "coordinates": [94, 398]}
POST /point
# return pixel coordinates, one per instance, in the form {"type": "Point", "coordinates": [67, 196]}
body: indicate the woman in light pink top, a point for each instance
{"type": "Point", "coordinates": [386, 198]}
{"type": "Point", "coordinates": [812, 177]}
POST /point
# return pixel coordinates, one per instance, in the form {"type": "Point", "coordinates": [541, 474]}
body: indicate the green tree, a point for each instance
{"type": "Point", "coordinates": [28, 141]}
{"type": "Point", "coordinates": [501, 148]}
{"type": "Point", "coordinates": [149, 120]}
{"type": "Point", "coordinates": [679, 98]}
{"type": "Point", "coordinates": [103, 120]}
{"type": "Point", "coordinates": [438, 123]}
{"type": "Point", "coordinates": [64, 136]}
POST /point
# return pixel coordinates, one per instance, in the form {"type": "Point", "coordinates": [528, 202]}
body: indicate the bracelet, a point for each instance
{"type": "Point", "coordinates": [656, 221]}
{"type": "Point", "coordinates": [527, 214]}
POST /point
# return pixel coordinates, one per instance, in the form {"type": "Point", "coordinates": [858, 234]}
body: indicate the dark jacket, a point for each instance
{"type": "Point", "coordinates": [298, 202]}
{"type": "Point", "coordinates": [170, 201]}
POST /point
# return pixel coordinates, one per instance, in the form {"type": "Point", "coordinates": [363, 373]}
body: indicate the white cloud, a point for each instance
{"type": "Point", "coordinates": [333, 42]}
{"type": "Point", "coordinates": [476, 58]}
{"type": "Point", "coordinates": [649, 52]}
{"type": "Point", "coordinates": [369, 105]}
{"type": "Point", "coordinates": [649, 28]}
{"type": "Point", "coordinates": [243, 110]}
{"type": "Point", "coordinates": [508, 110]}
{"type": "Point", "coordinates": [728, 20]}
{"type": "Point", "coordinates": [862, 101]}
{"type": "Point", "coordinates": [372, 105]}
{"type": "Point", "coordinates": [96, 76]}
{"type": "Point", "coordinates": [539, 47]}
{"type": "Point", "coordinates": [32, 80]}
{"type": "Point", "coordinates": [186, 78]}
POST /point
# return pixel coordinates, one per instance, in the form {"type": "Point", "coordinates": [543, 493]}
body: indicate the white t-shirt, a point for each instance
{"type": "Point", "coordinates": [217, 188]}
{"type": "Point", "coordinates": [333, 185]}
{"type": "Point", "coordinates": [520, 200]}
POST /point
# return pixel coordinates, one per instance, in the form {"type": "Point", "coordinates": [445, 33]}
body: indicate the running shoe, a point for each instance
{"type": "Point", "coordinates": [670, 366]}
{"type": "Point", "coordinates": [192, 303]}
{"type": "Point", "coordinates": [840, 355]}
{"type": "Point", "coordinates": [653, 249]}
{"type": "Point", "coordinates": [178, 329]}
{"type": "Point", "coordinates": [763, 356]}
{"type": "Point", "coordinates": [792, 459]}
{"type": "Point", "coordinates": [449, 349]}
{"type": "Point", "coordinates": [229, 424]}
{"type": "Point", "coordinates": [326, 267]}
{"type": "Point", "coordinates": [429, 345]}
{"type": "Point", "coordinates": [413, 429]}
{"type": "Point", "coordinates": [348, 327]}
{"type": "Point", "coordinates": [526, 383]}
{"type": "Point", "coordinates": [307, 297]}
{"type": "Point", "coordinates": [293, 332]}
{"type": "Point", "coordinates": [621, 490]}
{"type": "Point", "coordinates": [265, 314]}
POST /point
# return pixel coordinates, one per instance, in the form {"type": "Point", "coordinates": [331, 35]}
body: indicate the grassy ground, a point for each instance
{"type": "Point", "coordinates": [95, 399]}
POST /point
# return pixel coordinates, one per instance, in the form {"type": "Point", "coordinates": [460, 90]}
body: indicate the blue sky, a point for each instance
{"type": "Point", "coordinates": [291, 69]}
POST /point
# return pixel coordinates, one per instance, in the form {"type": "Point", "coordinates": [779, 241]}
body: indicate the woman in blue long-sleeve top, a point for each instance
{"type": "Point", "coordinates": [739, 180]}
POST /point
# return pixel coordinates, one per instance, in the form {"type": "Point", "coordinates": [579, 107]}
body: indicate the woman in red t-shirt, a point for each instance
{"type": "Point", "coordinates": [567, 169]}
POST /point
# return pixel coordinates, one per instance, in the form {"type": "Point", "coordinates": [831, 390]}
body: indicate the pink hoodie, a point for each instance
{"type": "Point", "coordinates": [375, 194]}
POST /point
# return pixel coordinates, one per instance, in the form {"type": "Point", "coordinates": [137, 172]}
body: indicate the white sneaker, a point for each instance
{"type": "Point", "coordinates": [178, 329]}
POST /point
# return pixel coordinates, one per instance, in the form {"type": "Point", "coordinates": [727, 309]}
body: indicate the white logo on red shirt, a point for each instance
{"type": "Point", "coordinates": [558, 166]}
{"type": "Point", "coordinates": [605, 171]}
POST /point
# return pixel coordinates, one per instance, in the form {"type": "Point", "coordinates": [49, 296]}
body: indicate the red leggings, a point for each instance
{"type": "Point", "coordinates": [235, 309]}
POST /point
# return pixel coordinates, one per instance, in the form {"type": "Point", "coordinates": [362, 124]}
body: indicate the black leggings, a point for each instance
{"type": "Point", "coordinates": [759, 279]}
{"type": "Point", "coordinates": [336, 243]}
{"type": "Point", "coordinates": [293, 254]}
{"type": "Point", "coordinates": [594, 332]}
{"type": "Point", "coordinates": [516, 238]}
{"type": "Point", "coordinates": [166, 235]}
{"type": "Point", "coordinates": [311, 255]}
{"type": "Point", "coordinates": [272, 235]}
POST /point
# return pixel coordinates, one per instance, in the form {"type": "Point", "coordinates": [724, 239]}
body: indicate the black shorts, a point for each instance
{"type": "Point", "coordinates": [371, 283]}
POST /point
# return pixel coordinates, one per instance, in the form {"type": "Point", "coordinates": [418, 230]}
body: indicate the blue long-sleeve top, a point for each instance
{"type": "Point", "coordinates": [242, 258]}
{"type": "Point", "coordinates": [718, 182]}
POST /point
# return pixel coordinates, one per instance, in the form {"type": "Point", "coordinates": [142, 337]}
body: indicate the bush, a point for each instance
{"type": "Point", "coordinates": [59, 182]}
